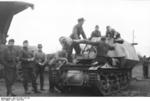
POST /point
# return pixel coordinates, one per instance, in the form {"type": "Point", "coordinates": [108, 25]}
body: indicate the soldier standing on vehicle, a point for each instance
{"type": "Point", "coordinates": [27, 59]}
{"type": "Point", "coordinates": [40, 59]}
{"type": "Point", "coordinates": [9, 60]}
{"type": "Point", "coordinates": [96, 32]}
{"type": "Point", "coordinates": [77, 31]}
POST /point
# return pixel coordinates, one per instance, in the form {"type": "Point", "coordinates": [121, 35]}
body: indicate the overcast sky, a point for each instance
{"type": "Point", "coordinates": [54, 18]}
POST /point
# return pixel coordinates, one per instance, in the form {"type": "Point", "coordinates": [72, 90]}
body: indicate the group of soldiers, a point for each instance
{"type": "Point", "coordinates": [73, 41]}
{"type": "Point", "coordinates": [11, 57]}
{"type": "Point", "coordinates": [28, 59]}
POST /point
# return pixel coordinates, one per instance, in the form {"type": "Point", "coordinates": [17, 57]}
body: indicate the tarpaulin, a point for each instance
{"type": "Point", "coordinates": [7, 10]}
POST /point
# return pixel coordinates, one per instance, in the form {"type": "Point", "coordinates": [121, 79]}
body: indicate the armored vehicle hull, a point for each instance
{"type": "Point", "coordinates": [106, 80]}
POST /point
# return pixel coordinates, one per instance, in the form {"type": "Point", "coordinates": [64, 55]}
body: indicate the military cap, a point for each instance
{"type": "Point", "coordinates": [113, 30]}
{"type": "Point", "coordinates": [25, 41]}
{"type": "Point", "coordinates": [97, 26]}
{"type": "Point", "coordinates": [11, 40]}
{"type": "Point", "coordinates": [39, 45]}
{"type": "Point", "coordinates": [81, 19]}
{"type": "Point", "coordinates": [108, 26]}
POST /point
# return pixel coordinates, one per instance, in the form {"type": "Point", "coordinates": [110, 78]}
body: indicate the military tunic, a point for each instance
{"type": "Point", "coordinates": [145, 67]}
{"type": "Point", "coordinates": [40, 59]}
{"type": "Point", "coordinates": [95, 33]}
{"type": "Point", "coordinates": [9, 60]}
{"type": "Point", "coordinates": [110, 33]}
{"type": "Point", "coordinates": [28, 68]}
{"type": "Point", "coordinates": [102, 50]}
{"type": "Point", "coordinates": [77, 31]}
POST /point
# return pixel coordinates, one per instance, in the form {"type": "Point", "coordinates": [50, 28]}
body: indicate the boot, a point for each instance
{"type": "Point", "coordinates": [8, 93]}
{"type": "Point", "coordinates": [35, 90]}
{"type": "Point", "coordinates": [27, 92]}
{"type": "Point", "coordinates": [42, 89]}
{"type": "Point", "coordinates": [12, 94]}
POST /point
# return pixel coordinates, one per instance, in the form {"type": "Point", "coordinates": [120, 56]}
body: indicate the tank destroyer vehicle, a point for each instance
{"type": "Point", "coordinates": [95, 73]}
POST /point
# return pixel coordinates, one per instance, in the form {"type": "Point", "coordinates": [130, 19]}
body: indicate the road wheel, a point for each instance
{"type": "Point", "coordinates": [104, 86]}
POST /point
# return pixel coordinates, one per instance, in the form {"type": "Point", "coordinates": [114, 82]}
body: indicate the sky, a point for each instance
{"type": "Point", "coordinates": [52, 19]}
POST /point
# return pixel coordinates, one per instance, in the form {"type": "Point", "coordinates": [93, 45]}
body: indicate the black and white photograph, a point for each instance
{"type": "Point", "coordinates": [74, 48]}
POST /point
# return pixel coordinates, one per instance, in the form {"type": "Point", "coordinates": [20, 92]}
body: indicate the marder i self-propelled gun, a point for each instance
{"type": "Point", "coordinates": [106, 75]}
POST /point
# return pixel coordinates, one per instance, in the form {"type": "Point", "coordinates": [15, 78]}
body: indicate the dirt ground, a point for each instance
{"type": "Point", "coordinates": [136, 88]}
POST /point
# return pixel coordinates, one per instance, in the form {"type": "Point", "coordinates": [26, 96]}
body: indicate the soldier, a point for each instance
{"type": "Point", "coordinates": [40, 59]}
{"type": "Point", "coordinates": [96, 32]}
{"type": "Point", "coordinates": [112, 33]}
{"type": "Point", "coordinates": [77, 31]}
{"type": "Point", "coordinates": [50, 59]}
{"type": "Point", "coordinates": [67, 44]}
{"type": "Point", "coordinates": [109, 32]}
{"type": "Point", "coordinates": [53, 63]}
{"type": "Point", "coordinates": [9, 60]}
{"type": "Point", "coordinates": [27, 59]}
{"type": "Point", "coordinates": [145, 67]}
{"type": "Point", "coordinates": [102, 49]}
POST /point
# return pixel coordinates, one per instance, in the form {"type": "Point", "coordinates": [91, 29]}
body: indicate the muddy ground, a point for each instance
{"type": "Point", "coordinates": [136, 88]}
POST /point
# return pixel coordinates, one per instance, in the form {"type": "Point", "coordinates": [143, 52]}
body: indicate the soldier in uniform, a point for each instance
{"type": "Point", "coordinates": [96, 32]}
{"type": "Point", "coordinates": [50, 59]}
{"type": "Point", "coordinates": [67, 44]}
{"type": "Point", "coordinates": [9, 60]}
{"type": "Point", "coordinates": [145, 67]}
{"type": "Point", "coordinates": [109, 32]}
{"type": "Point", "coordinates": [40, 59]}
{"type": "Point", "coordinates": [53, 63]}
{"type": "Point", "coordinates": [112, 33]}
{"type": "Point", "coordinates": [27, 58]}
{"type": "Point", "coordinates": [102, 49]}
{"type": "Point", "coordinates": [77, 31]}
